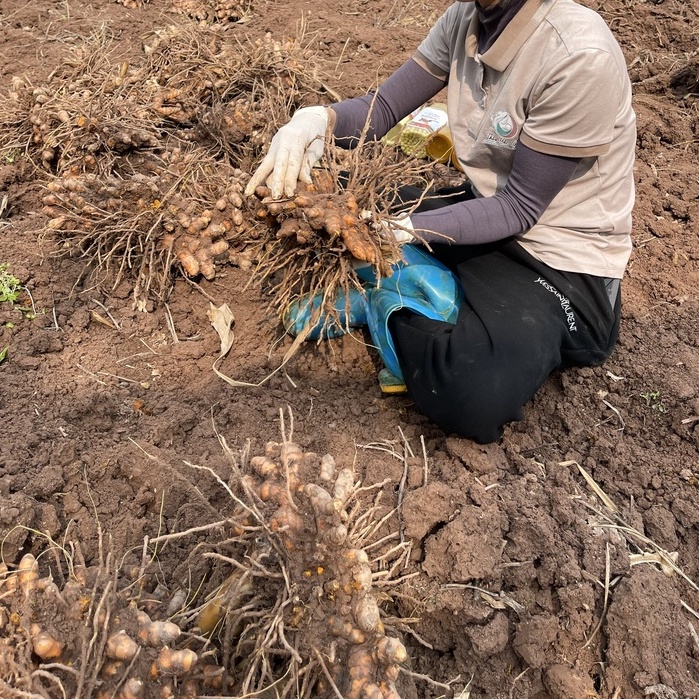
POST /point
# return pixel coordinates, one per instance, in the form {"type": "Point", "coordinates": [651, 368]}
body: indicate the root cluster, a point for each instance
{"type": "Point", "coordinates": [326, 634]}
{"type": "Point", "coordinates": [311, 242]}
{"type": "Point", "coordinates": [297, 615]}
{"type": "Point", "coordinates": [213, 10]}
{"type": "Point", "coordinates": [321, 216]}
{"type": "Point", "coordinates": [56, 128]}
{"type": "Point", "coordinates": [191, 80]}
{"type": "Point", "coordinates": [153, 218]}
{"type": "Point", "coordinates": [79, 637]}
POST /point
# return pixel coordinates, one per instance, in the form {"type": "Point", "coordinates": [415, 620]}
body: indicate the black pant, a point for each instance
{"type": "Point", "coordinates": [521, 320]}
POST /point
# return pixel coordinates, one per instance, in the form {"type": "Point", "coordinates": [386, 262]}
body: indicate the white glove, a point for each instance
{"type": "Point", "coordinates": [294, 150]}
{"type": "Point", "coordinates": [399, 228]}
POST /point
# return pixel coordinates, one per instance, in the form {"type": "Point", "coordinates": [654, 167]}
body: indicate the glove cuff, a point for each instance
{"type": "Point", "coordinates": [320, 112]}
{"type": "Point", "coordinates": [402, 228]}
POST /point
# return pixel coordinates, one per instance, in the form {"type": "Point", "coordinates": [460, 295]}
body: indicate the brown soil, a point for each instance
{"type": "Point", "coordinates": [519, 590]}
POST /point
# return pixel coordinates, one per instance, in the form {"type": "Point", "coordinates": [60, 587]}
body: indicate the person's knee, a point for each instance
{"type": "Point", "coordinates": [477, 411]}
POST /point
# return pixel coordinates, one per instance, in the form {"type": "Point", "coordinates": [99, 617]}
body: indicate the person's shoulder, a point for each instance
{"type": "Point", "coordinates": [459, 12]}
{"type": "Point", "coordinates": [579, 28]}
{"type": "Point", "coordinates": [452, 24]}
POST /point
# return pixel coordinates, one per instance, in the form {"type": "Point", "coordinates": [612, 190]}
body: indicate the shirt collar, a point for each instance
{"type": "Point", "coordinates": [514, 35]}
{"type": "Point", "coordinates": [494, 19]}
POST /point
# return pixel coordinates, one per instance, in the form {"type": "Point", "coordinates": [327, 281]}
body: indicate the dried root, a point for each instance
{"type": "Point", "coordinates": [214, 10]}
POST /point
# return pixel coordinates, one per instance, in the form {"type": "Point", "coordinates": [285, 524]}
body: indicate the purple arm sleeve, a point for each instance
{"type": "Point", "coordinates": [405, 90]}
{"type": "Point", "coordinates": [535, 179]}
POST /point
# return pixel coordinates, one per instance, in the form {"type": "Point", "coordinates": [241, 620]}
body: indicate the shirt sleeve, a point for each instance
{"type": "Point", "coordinates": [434, 53]}
{"type": "Point", "coordinates": [405, 90]}
{"type": "Point", "coordinates": [573, 108]}
{"type": "Point", "coordinates": [535, 179]}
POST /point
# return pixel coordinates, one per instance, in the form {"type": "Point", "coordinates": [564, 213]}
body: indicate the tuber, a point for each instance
{"type": "Point", "coordinates": [120, 646]}
{"type": "Point", "coordinates": [45, 645]}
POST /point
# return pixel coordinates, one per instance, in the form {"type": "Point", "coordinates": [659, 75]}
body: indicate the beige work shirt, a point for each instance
{"type": "Point", "coordinates": [556, 80]}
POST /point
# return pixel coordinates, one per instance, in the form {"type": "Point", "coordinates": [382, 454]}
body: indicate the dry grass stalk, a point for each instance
{"type": "Point", "coordinates": [667, 561]}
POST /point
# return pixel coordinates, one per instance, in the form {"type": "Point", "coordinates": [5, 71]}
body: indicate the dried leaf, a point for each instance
{"type": "Point", "coordinates": [591, 482]}
{"type": "Point", "coordinates": [101, 319]}
{"type": "Point", "coordinates": [222, 320]}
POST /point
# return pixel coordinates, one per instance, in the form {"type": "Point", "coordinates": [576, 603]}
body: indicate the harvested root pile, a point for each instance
{"type": "Point", "coordinates": [203, 10]}
{"type": "Point", "coordinates": [217, 86]}
{"type": "Point", "coordinates": [194, 83]}
{"type": "Point", "coordinates": [298, 616]}
{"type": "Point", "coordinates": [78, 636]}
{"type": "Point", "coordinates": [57, 130]}
{"type": "Point", "coordinates": [108, 133]}
{"type": "Point", "coordinates": [214, 10]}
{"type": "Point", "coordinates": [145, 165]}
{"type": "Point", "coordinates": [144, 222]}
{"type": "Point", "coordinates": [325, 630]}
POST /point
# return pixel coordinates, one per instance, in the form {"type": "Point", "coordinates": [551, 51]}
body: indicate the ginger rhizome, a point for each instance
{"type": "Point", "coordinates": [297, 609]}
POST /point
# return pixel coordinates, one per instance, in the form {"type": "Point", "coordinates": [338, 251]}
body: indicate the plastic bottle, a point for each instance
{"type": "Point", "coordinates": [392, 138]}
{"type": "Point", "coordinates": [439, 145]}
{"type": "Point", "coordinates": [424, 124]}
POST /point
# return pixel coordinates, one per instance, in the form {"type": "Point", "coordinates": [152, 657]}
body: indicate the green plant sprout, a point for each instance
{"type": "Point", "coordinates": [10, 286]}
{"type": "Point", "coordinates": [12, 155]}
{"type": "Point", "coordinates": [654, 400]}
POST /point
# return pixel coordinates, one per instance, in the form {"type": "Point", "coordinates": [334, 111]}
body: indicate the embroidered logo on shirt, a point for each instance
{"type": "Point", "coordinates": [504, 131]}
{"type": "Point", "coordinates": [503, 124]}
